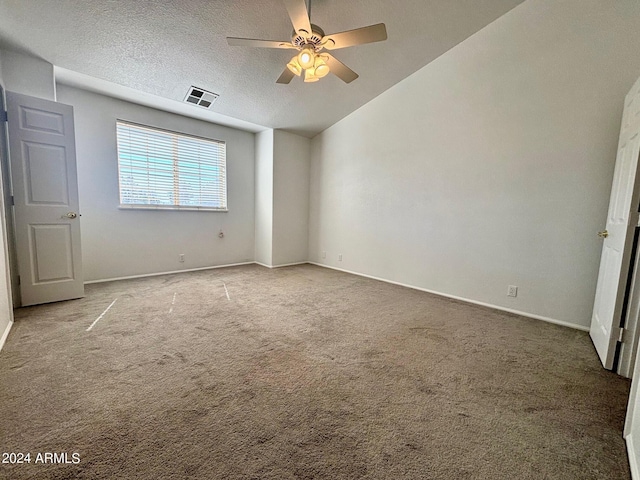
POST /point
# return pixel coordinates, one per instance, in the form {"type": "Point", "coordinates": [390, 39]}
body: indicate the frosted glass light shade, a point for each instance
{"type": "Point", "coordinates": [294, 66]}
{"type": "Point", "coordinates": [306, 57]}
{"type": "Point", "coordinates": [309, 75]}
{"type": "Point", "coordinates": [321, 69]}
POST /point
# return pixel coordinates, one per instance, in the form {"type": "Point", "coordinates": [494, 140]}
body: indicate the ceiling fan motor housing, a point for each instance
{"type": "Point", "coordinates": [314, 39]}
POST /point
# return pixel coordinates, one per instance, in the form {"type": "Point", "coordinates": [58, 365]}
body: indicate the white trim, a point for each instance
{"type": "Point", "coordinates": [5, 334]}
{"type": "Point", "coordinates": [167, 273]}
{"type": "Point", "coordinates": [290, 264]}
{"type": "Point", "coordinates": [454, 297]}
{"type": "Point", "coordinates": [171, 207]}
{"type": "Point", "coordinates": [633, 460]}
{"type": "Point", "coordinates": [263, 265]}
{"type": "Point", "coordinates": [282, 265]}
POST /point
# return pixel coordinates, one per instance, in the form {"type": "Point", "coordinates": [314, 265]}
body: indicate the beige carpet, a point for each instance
{"type": "Point", "coordinates": [302, 373]}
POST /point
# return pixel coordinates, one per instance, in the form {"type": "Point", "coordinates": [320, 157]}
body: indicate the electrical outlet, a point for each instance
{"type": "Point", "coordinates": [512, 291]}
{"type": "Point", "coordinates": [324, 254]}
{"type": "Point", "coordinates": [181, 257]}
{"type": "Point", "coordinates": [340, 257]}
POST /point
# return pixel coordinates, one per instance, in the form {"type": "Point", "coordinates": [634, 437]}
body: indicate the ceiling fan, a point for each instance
{"type": "Point", "coordinates": [311, 41]}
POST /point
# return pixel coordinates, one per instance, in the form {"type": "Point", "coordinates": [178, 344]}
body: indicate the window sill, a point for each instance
{"type": "Point", "coordinates": [171, 208]}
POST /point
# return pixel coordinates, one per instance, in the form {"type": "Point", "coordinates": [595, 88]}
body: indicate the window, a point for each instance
{"type": "Point", "coordinates": [167, 170]}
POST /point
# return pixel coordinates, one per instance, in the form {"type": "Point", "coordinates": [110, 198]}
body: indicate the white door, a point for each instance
{"type": "Point", "coordinates": [622, 220]}
{"type": "Point", "coordinates": [45, 189]}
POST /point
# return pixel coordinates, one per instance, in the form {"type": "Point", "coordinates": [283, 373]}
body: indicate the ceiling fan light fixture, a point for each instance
{"type": "Point", "coordinates": [309, 75]}
{"type": "Point", "coordinates": [309, 39]}
{"type": "Point", "coordinates": [294, 66]}
{"type": "Point", "coordinates": [321, 69]}
{"type": "Point", "coordinates": [306, 57]}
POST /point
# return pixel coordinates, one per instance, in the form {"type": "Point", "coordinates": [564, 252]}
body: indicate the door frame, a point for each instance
{"type": "Point", "coordinates": [629, 321]}
{"type": "Point", "coordinates": [630, 430]}
{"type": "Point", "coordinates": [5, 200]}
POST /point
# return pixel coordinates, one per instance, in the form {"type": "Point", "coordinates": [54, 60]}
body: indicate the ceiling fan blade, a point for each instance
{"type": "Point", "coordinates": [339, 69]}
{"type": "Point", "coordinates": [297, 10]}
{"type": "Point", "coordinates": [250, 42]}
{"type": "Point", "coordinates": [359, 36]}
{"type": "Point", "coordinates": [286, 76]}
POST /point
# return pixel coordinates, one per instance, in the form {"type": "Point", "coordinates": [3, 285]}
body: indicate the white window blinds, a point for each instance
{"type": "Point", "coordinates": [162, 169]}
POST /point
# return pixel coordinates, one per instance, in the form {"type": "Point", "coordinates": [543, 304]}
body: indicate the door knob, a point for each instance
{"type": "Point", "coordinates": [71, 215]}
{"type": "Point", "coordinates": [603, 234]}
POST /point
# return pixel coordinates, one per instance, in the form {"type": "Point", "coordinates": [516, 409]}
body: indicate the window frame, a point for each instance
{"type": "Point", "coordinates": [141, 206]}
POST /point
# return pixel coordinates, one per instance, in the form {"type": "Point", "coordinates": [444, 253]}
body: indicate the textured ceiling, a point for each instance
{"type": "Point", "coordinates": [162, 47]}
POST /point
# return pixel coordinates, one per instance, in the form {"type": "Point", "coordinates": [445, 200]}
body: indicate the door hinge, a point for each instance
{"type": "Point", "coordinates": [12, 201]}
{"type": "Point", "coordinates": [4, 116]}
{"type": "Point", "coordinates": [621, 335]}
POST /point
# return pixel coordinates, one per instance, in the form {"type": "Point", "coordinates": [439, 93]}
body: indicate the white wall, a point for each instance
{"type": "Point", "coordinates": [122, 242]}
{"type": "Point", "coordinates": [6, 310]}
{"type": "Point", "coordinates": [489, 167]}
{"type": "Point", "coordinates": [282, 198]}
{"type": "Point", "coordinates": [264, 197]}
{"type": "Point", "coordinates": [28, 75]}
{"type": "Point", "coordinates": [290, 198]}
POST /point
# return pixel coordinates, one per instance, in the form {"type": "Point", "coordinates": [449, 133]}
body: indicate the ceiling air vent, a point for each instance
{"type": "Point", "coordinates": [200, 97]}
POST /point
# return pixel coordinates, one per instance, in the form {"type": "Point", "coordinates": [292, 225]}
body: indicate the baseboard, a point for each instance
{"type": "Point", "coordinates": [454, 297]}
{"type": "Point", "coordinates": [290, 264]}
{"type": "Point", "coordinates": [281, 265]}
{"type": "Point", "coordinates": [462, 299]}
{"type": "Point", "coordinates": [167, 273]}
{"type": "Point", "coordinates": [633, 460]}
{"type": "Point", "coordinates": [5, 334]}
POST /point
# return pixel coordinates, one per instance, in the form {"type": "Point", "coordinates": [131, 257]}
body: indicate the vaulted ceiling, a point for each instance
{"type": "Point", "coordinates": [163, 47]}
